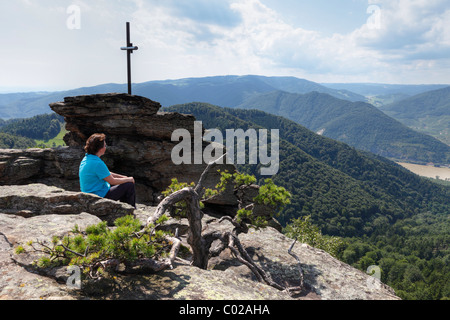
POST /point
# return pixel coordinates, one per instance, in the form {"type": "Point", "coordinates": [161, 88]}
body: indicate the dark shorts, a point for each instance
{"type": "Point", "coordinates": [123, 192]}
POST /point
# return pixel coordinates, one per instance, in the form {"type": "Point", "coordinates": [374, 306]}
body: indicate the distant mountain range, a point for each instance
{"type": "Point", "coordinates": [379, 89]}
{"type": "Point", "coordinates": [380, 94]}
{"type": "Point", "coordinates": [227, 91]}
{"type": "Point", "coordinates": [334, 112]}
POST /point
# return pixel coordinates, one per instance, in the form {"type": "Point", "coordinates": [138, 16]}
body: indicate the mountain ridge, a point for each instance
{"type": "Point", "coordinates": [427, 112]}
{"type": "Point", "coordinates": [353, 122]}
{"type": "Point", "coordinates": [170, 92]}
{"type": "Point", "coordinates": [345, 189]}
{"type": "Point", "coordinates": [356, 123]}
{"type": "Point", "coordinates": [377, 89]}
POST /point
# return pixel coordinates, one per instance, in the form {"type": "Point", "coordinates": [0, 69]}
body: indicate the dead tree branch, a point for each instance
{"type": "Point", "coordinates": [201, 244]}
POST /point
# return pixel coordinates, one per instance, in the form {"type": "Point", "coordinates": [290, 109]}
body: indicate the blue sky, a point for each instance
{"type": "Point", "coordinates": [64, 44]}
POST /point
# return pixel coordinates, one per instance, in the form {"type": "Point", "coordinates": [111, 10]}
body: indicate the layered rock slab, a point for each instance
{"type": "Point", "coordinates": [39, 199]}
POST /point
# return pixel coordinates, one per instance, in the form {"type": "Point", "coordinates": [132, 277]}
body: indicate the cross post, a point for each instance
{"type": "Point", "coordinates": [129, 48]}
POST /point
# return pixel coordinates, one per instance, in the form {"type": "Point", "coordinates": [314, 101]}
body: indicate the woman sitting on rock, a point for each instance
{"type": "Point", "coordinates": [96, 178]}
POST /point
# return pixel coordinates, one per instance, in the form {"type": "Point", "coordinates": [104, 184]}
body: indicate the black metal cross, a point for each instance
{"type": "Point", "coordinates": [129, 48]}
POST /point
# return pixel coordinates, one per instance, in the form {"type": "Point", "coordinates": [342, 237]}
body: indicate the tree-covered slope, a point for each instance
{"type": "Point", "coordinates": [358, 124]}
{"type": "Point", "coordinates": [431, 103]}
{"type": "Point", "coordinates": [41, 127]}
{"type": "Point", "coordinates": [9, 141]}
{"type": "Point", "coordinates": [23, 133]}
{"type": "Point", "coordinates": [347, 192]}
{"type": "Point", "coordinates": [428, 112]}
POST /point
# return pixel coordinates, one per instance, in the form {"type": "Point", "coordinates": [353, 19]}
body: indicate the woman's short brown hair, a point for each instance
{"type": "Point", "coordinates": [95, 143]}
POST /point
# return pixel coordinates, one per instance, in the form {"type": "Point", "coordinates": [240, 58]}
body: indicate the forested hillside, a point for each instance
{"type": "Point", "coordinates": [42, 127]}
{"type": "Point", "coordinates": [8, 141]}
{"type": "Point", "coordinates": [358, 124]}
{"type": "Point", "coordinates": [376, 205]}
{"type": "Point", "coordinates": [23, 133]}
{"type": "Point", "coordinates": [356, 187]}
{"type": "Point", "coordinates": [428, 112]}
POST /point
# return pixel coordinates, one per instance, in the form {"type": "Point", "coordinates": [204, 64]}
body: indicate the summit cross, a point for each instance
{"type": "Point", "coordinates": [129, 48]}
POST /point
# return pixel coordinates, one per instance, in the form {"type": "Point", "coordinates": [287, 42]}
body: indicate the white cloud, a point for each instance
{"type": "Point", "coordinates": [263, 43]}
{"type": "Point", "coordinates": [301, 52]}
{"type": "Point", "coordinates": [413, 39]}
{"type": "Point", "coordinates": [407, 26]}
{"type": "Point", "coordinates": [217, 37]}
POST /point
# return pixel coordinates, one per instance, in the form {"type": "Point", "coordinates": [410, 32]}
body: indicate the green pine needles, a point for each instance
{"type": "Point", "coordinates": [271, 195]}
{"type": "Point", "coordinates": [95, 248]}
{"type": "Point", "coordinates": [304, 231]}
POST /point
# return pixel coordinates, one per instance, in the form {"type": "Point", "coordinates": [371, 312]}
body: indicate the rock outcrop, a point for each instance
{"type": "Point", "coordinates": [22, 166]}
{"type": "Point", "coordinates": [138, 136]}
{"type": "Point", "coordinates": [40, 198]}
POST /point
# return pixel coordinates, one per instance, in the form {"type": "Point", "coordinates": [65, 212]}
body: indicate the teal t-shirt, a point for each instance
{"type": "Point", "coordinates": [92, 172]}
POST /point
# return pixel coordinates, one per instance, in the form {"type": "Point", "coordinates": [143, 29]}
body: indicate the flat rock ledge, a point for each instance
{"type": "Point", "coordinates": [40, 199]}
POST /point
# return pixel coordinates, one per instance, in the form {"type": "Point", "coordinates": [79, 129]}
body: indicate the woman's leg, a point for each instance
{"type": "Point", "coordinates": [123, 192]}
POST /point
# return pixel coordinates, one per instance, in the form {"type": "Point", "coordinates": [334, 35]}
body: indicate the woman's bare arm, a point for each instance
{"type": "Point", "coordinates": [115, 179]}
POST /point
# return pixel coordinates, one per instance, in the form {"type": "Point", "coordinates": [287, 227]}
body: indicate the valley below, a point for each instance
{"type": "Point", "coordinates": [429, 171]}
